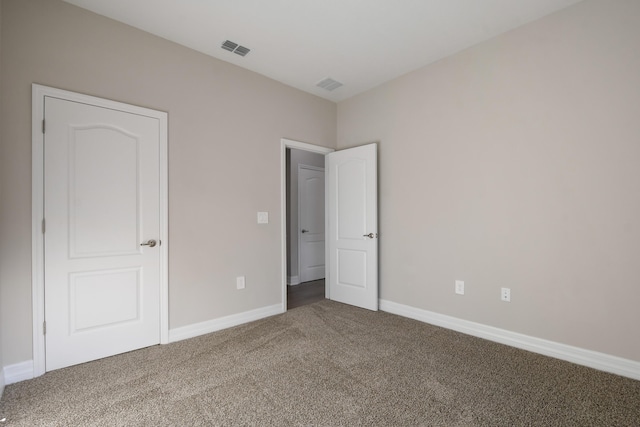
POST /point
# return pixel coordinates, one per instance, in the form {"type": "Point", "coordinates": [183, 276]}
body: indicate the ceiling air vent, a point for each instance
{"type": "Point", "coordinates": [235, 48]}
{"type": "Point", "coordinates": [241, 50]}
{"type": "Point", "coordinates": [329, 84]}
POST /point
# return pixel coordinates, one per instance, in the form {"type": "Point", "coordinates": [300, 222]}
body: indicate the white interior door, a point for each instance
{"type": "Point", "coordinates": [101, 202]}
{"type": "Point", "coordinates": [311, 223]}
{"type": "Point", "coordinates": [352, 239]}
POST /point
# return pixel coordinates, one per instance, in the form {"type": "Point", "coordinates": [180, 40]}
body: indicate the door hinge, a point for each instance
{"type": "Point", "coordinates": [43, 126]}
{"type": "Point", "coordinates": [44, 225]}
{"type": "Point", "coordinates": [44, 327]}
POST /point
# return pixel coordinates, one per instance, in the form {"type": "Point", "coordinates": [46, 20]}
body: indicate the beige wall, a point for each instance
{"type": "Point", "coordinates": [225, 126]}
{"type": "Point", "coordinates": [2, 320]}
{"type": "Point", "coordinates": [295, 158]}
{"type": "Point", "coordinates": [516, 163]}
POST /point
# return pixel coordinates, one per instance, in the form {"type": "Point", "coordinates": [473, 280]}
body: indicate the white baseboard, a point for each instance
{"type": "Point", "coordinates": [1, 382]}
{"type": "Point", "coordinates": [24, 370]}
{"type": "Point", "coordinates": [293, 280]}
{"type": "Point", "coordinates": [616, 365]}
{"type": "Point", "coordinates": [18, 372]}
{"type": "Point", "coordinates": [601, 361]}
{"type": "Point", "coordinates": [197, 329]}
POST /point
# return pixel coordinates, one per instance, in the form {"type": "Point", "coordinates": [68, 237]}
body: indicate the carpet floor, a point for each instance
{"type": "Point", "coordinates": [326, 364]}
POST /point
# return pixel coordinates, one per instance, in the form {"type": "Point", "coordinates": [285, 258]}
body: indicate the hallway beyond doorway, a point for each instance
{"type": "Point", "coordinates": [305, 293]}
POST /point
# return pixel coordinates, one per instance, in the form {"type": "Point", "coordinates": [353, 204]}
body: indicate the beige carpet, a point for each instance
{"type": "Point", "coordinates": [326, 364]}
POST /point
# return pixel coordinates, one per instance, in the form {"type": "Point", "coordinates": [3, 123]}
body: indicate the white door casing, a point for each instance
{"type": "Point", "coordinates": [284, 145]}
{"type": "Point", "coordinates": [101, 187]}
{"type": "Point", "coordinates": [311, 236]}
{"type": "Point", "coordinates": [352, 239]}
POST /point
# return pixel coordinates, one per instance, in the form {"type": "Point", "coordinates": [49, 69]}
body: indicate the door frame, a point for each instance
{"type": "Point", "coordinates": [298, 145]}
{"type": "Point", "coordinates": [39, 92]}
{"type": "Point", "coordinates": [313, 168]}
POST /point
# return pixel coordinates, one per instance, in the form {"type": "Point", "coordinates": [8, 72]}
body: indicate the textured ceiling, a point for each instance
{"type": "Point", "coordinates": [360, 43]}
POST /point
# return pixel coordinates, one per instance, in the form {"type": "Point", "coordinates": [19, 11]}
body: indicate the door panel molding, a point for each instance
{"type": "Point", "coordinates": [352, 228]}
{"type": "Point", "coordinates": [39, 93]}
{"type": "Point", "coordinates": [302, 193]}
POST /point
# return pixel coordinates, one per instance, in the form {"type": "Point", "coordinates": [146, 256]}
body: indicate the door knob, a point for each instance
{"type": "Point", "coordinates": [305, 231]}
{"type": "Point", "coordinates": [150, 243]}
{"type": "Point", "coordinates": [370, 235]}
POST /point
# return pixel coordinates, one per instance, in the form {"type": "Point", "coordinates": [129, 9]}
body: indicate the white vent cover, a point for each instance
{"type": "Point", "coordinates": [329, 84]}
{"type": "Point", "coordinates": [235, 48]}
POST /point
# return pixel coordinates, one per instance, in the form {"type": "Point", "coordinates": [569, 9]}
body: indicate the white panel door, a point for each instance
{"type": "Point", "coordinates": [311, 223]}
{"type": "Point", "coordinates": [101, 198]}
{"type": "Point", "coordinates": [352, 239]}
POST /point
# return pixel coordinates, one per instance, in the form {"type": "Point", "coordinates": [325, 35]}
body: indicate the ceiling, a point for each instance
{"type": "Point", "coordinates": [360, 43]}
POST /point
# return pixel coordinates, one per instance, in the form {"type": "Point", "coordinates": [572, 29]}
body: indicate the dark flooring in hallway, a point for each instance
{"type": "Point", "coordinates": [305, 293]}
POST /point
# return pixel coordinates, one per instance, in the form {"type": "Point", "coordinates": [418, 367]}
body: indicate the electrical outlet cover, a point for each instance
{"type": "Point", "coordinates": [263, 217]}
{"type": "Point", "coordinates": [459, 287]}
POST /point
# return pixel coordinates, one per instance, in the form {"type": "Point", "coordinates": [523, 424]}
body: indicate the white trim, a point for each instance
{"type": "Point", "coordinates": [164, 226]}
{"type": "Point", "coordinates": [37, 210]}
{"type": "Point", "coordinates": [19, 372]}
{"type": "Point", "coordinates": [616, 365]}
{"type": "Point", "coordinates": [293, 280]}
{"type": "Point", "coordinates": [601, 361]}
{"type": "Point", "coordinates": [37, 239]}
{"type": "Point", "coordinates": [197, 329]}
{"type": "Point", "coordinates": [2, 383]}
{"type": "Point", "coordinates": [284, 144]}
{"type": "Point", "coordinates": [25, 370]}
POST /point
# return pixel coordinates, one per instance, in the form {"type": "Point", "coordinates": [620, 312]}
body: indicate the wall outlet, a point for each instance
{"type": "Point", "coordinates": [460, 287]}
{"type": "Point", "coordinates": [505, 294]}
{"type": "Point", "coordinates": [240, 282]}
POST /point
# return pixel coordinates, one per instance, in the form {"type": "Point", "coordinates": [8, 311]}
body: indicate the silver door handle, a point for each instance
{"type": "Point", "coordinates": [150, 243]}
{"type": "Point", "coordinates": [305, 231]}
{"type": "Point", "coordinates": [370, 235]}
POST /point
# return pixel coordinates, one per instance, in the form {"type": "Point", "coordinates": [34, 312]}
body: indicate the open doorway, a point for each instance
{"type": "Point", "coordinates": [305, 226]}
{"type": "Point", "coordinates": [303, 223]}
{"type": "Point", "coordinates": [351, 224]}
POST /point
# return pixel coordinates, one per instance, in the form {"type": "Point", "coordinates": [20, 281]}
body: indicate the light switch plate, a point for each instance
{"type": "Point", "coordinates": [263, 217]}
